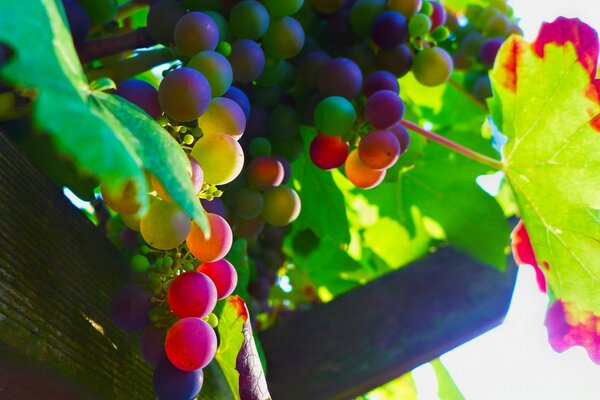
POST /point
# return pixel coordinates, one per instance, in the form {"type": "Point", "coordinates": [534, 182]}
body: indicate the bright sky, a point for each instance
{"type": "Point", "coordinates": [515, 361]}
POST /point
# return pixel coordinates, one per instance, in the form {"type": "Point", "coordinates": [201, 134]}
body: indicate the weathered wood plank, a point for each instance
{"type": "Point", "coordinates": [379, 331]}
{"type": "Point", "coordinates": [57, 275]}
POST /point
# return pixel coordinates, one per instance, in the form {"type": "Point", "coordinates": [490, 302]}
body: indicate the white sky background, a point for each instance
{"type": "Point", "coordinates": [515, 361]}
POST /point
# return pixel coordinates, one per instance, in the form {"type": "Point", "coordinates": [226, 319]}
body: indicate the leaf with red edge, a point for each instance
{"type": "Point", "coordinates": [547, 103]}
{"type": "Point", "coordinates": [523, 253]}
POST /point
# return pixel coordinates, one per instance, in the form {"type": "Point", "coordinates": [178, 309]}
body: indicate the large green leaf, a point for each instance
{"type": "Point", "coordinates": [546, 101]}
{"type": "Point", "coordinates": [106, 136]}
{"type": "Point", "coordinates": [447, 388]}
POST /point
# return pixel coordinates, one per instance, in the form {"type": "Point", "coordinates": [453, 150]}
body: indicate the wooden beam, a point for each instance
{"type": "Point", "coordinates": [381, 330]}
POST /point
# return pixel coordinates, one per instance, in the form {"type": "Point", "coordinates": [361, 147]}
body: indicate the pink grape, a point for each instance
{"type": "Point", "coordinates": [191, 344]}
{"type": "Point", "coordinates": [223, 275]}
{"type": "Point", "coordinates": [192, 294]}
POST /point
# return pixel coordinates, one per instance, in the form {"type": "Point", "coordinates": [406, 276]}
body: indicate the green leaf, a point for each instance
{"type": "Point", "coordinates": [447, 389]}
{"type": "Point", "coordinates": [323, 208]}
{"type": "Point", "coordinates": [231, 338]}
{"type": "Point", "coordinates": [238, 257]}
{"type": "Point", "coordinates": [106, 136]}
{"type": "Point", "coordinates": [546, 102]}
{"type": "Point", "coordinates": [403, 388]}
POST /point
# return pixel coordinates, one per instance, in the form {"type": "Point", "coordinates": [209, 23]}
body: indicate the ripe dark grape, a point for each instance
{"type": "Point", "coordinates": [196, 32]}
{"type": "Point", "coordinates": [403, 137]}
{"type": "Point", "coordinates": [334, 115]}
{"type": "Point", "coordinates": [281, 206]}
{"type": "Point", "coordinates": [239, 97]}
{"type": "Point", "coordinates": [171, 383]}
{"type": "Point", "coordinates": [78, 19]}
{"type": "Point", "coordinates": [152, 344]}
{"type": "Point", "coordinates": [162, 18]}
{"type": "Point", "coordinates": [184, 94]}
{"type": "Point", "coordinates": [215, 68]}
{"type": "Point", "coordinates": [432, 66]}
{"type": "Point", "coordinates": [390, 29]}
{"type": "Point", "coordinates": [248, 203]}
{"type": "Point", "coordinates": [311, 65]}
{"type": "Point", "coordinates": [379, 149]}
{"type": "Point", "coordinates": [380, 80]}
{"type": "Point", "coordinates": [164, 226]}
{"type": "Point", "coordinates": [192, 294]}
{"type": "Point", "coordinates": [214, 247]}
{"type": "Point", "coordinates": [190, 344]}
{"type": "Point", "coordinates": [130, 306]}
{"type": "Point", "coordinates": [223, 115]}
{"type": "Point", "coordinates": [284, 38]}
{"type": "Point", "coordinates": [265, 172]}
{"type": "Point", "coordinates": [249, 19]}
{"type": "Point", "coordinates": [340, 77]}
{"type": "Point", "coordinates": [489, 50]}
{"type": "Point", "coordinates": [223, 275]}
{"type": "Point", "coordinates": [328, 152]}
{"type": "Point", "coordinates": [398, 60]}
{"type": "Point", "coordinates": [359, 174]}
{"type": "Point", "coordinates": [247, 60]}
{"type": "Point", "coordinates": [384, 109]}
{"type": "Point", "coordinates": [142, 94]}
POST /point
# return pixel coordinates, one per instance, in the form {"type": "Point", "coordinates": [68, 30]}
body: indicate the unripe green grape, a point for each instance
{"type": "Point", "coordinates": [167, 261]}
{"type": "Point", "coordinates": [432, 66]}
{"type": "Point", "coordinates": [222, 25]}
{"type": "Point", "coordinates": [220, 156]}
{"type": "Point", "coordinates": [260, 146]}
{"type": "Point", "coordinates": [224, 48]}
{"type": "Point", "coordinates": [212, 320]}
{"type": "Point", "coordinates": [284, 38]}
{"type": "Point", "coordinates": [334, 115]}
{"type": "Point", "coordinates": [164, 226]}
{"type": "Point", "coordinates": [132, 221]}
{"type": "Point", "coordinates": [282, 8]}
{"type": "Point", "coordinates": [419, 25]}
{"type": "Point", "coordinates": [188, 139]}
{"type": "Point", "coordinates": [139, 263]}
{"type": "Point", "coordinates": [249, 19]}
{"type": "Point", "coordinates": [100, 11]}
{"type": "Point", "coordinates": [426, 8]}
{"type": "Point", "coordinates": [363, 14]}
{"type": "Point", "coordinates": [440, 34]}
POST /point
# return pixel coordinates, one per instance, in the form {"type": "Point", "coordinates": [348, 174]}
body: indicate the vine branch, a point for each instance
{"type": "Point", "coordinates": [129, 67]}
{"type": "Point", "coordinates": [115, 44]}
{"type": "Point", "coordinates": [465, 151]}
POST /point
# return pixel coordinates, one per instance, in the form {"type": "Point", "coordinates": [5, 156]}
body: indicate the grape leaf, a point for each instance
{"type": "Point", "coordinates": [547, 103]}
{"type": "Point", "coordinates": [109, 137]}
{"type": "Point", "coordinates": [447, 389]}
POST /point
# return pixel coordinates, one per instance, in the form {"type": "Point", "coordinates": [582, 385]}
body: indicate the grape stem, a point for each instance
{"type": "Point", "coordinates": [129, 67]}
{"type": "Point", "coordinates": [115, 44]}
{"type": "Point", "coordinates": [465, 151]}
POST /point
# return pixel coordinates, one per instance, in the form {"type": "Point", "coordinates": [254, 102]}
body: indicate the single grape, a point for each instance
{"type": "Point", "coordinates": [196, 32]}
{"type": "Point", "coordinates": [359, 174]}
{"type": "Point", "coordinates": [215, 68]}
{"type": "Point", "coordinates": [171, 383]}
{"type": "Point", "coordinates": [482, 88]}
{"type": "Point", "coordinates": [440, 34]}
{"type": "Point", "coordinates": [328, 152]}
{"type": "Point", "coordinates": [379, 149]}
{"type": "Point", "coordinates": [222, 25]}
{"type": "Point", "coordinates": [192, 294]}
{"type": "Point", "coordinates": [403, 137]}
{"type": "Point", "coordinates": [164, 226]}
{"type": "Point", "coordinates": [264, 173]}
{"type": "Point", "coordinates": [124, 200]}
{"type": "Point", "coordinates": [310, 66]}
{"type": "Point", "coordinates": [130, 306]}
{"type": "Point", "coordinates": [408, 8]}
{"type": "Point", "coordinates": [260, 146]}
{"type": "Point", "coordinates": [291, 149]}
{"type": "Point", "coordinates": [340, 77]}
{"type": "Point", "coordinates": [334, 115]}
{"type": "Point", "coordinates": [281, 206]}
{"type": "Point", "coordinates": [489, 51]}
{"type": "Point", "coordinates": [380, 80]}
{"type": "Point", "coordinates": [363, 55]}
{"type": "Point", "coordinates": [284, 38]}
{"type": "Point", "coordinates": [277, 72]}
{"type": "Point", "coordinates": [142, 94]}
{"type": "Point", "coordinates": [498, 25]}
{"type": "Point", "coordinates": [284, 122]}
{"type": "Point", "coordinates": [287, 168]}
{"type": "Point", "coordinates": [363, 14]}
{"type": "Point", "coordinates": [139, 263]}
{"type": "Point", "coordinates": [249, 19]}
{"type": "Point", "coordinates": [282, 8]}
{"type": "Point", "coordinates": [390, 29]}
{"type": "Point", "coordinates": [161, 20]}
{"type": "Point", "coordinates": [248, 203]}
{"type": "Point", "coordinates": [196, 175]}
{"type": "Point", "coordinates": [78, 19]}
{"type": "Point", "coordinates": [438, 15]}
{"type": "Point", "coordinates": [184, 94]}
{"type": "Point", "coordinates": [223, 275]}
{"type": "Point", "coordinates": [384, 109]}
{"type": "Point", "coordinates": [215, 206]}
{"type": "Point", "coordinates": [132, 221]}
{"type": "Point", "coordinates": [248, 228]}
{"type": "Point", "coordinates": [191, 344]}
{"type": "Point", "coordinates": [247, 60]}
{"type": "Point", "coordinates": [100, 11]}
{"type": "Point", "coordinates": [432, 66]}
{"type": "Point", "coordinates": [220, 156]}
{"type": "Point", "coordinates": [419, 25]}
{"type": "Point", "coordinates": [152, 344]}
{"type": "Point", "coordinates": [239, 97]}
{"type": "Point", "coordinates": [214, 247]}
{"type": "Point", "coordinates": [212, 320]}
{"type": "Point", "coordinates": [472, 43]}
{"type": "Point", "coordinates": [223, 116]}
{"type": "Point", "coordinates": [327, 6]}
{"type": "Point", "coordinates": [398, 60]}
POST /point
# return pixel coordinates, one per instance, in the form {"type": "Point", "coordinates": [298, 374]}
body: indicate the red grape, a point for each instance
{"type": "Point", "coordinates": [192, 294]}
{"type": "Point", "coordinates": [379, 149]}
{"type": "Point", "coordinates": [223, 275]}
{"type": "Point", "coordinates": [191, 344]}
{"type": "Point", "coordinates": [328, 152]}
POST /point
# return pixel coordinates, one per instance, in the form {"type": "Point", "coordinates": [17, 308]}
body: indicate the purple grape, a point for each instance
{"type": "Point", "coordinates": [338, 30]}
{"type": "Point", "coordinates": [130, 306]}
{"type": "Point", "coordinates": [340, 77]}
{"type": "Point", "coordinates": [390, 30]}
{"type": "Point", "coordinates": [384, 109]}
{"type": "Point", "coordinates": [310, 65]}
{"type": "Point", "coordinates": [287, 169]}
{"type": "Point", "coordinates": [162, 18]}
{"type": "Point", "coordinates": [247, 60]}
{"type": "Point", "coordinates": [398, 60]}
{"type": "Point", "coordinates": [171, 383]}
{"type": "Point", "coordinates": [78, 19]}
{"type": "Point", "coordinates": [142, 94]}
{"type": "Point", "coordinates": [215, 206]}
{"type": "Point", "coordinates": [196, 32]}
{"type": "Point", "coordinates": [257, 124]}
{"type": "Point", "coordinates": [489, 50]}
{"type": "Point", "coordinates": [402, 135]}
{"type": "Point", "coordinates": [239, 97]}
{"type": "Point", "coordinates": [152, 345]}
{"type": "Point", "coordinates": [380, 80]}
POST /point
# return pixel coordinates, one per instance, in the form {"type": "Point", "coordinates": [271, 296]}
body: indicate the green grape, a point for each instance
{"type": "Point", "coordinates": [419, 25]}
{"type": "Point", "coordinates": [188, 139]}
{"type": "Point", "coordinates": [224, 48]}
{"type": "Point", "coordinates": [282, 8]}
{"type": "Point", "coordinates": [249, 19]}
{"type": "Point", "coordinates": [284, 38]}
{"type": "Point", "coordinates": [281, 206]}
{"type": "Point", "coordinates": [260, 146]}
{"type": "Point", "coordinates": [497, 25]}
{"type": "Point", "coordinates": [335, 115]}
{"type": "Point", "coordinates": [215, 68]}
{"type": "Point", "coordinates": [139, 263]}
{"type": "Point", "coordinates": [223, 116]}
{"type": "Point", "coordinates": [432, 66]}
{"type": "Point", "coordinates": [164, 226]}
{"type": "Point", "coordinates": [167, 261]}
{"type": "Point", "coordinates": [222, 25]}
{"type": "Point", "coordinates": [426, 9]}
{"type": "Point", "coordinates": [248, 203]}
{"type": "Point", "coordinates": [124, 201]}
{"type": "Point", "coordinates": [363, 14]}
{"type": "Point", "coordinates": [220, 156]}
{"type": "Point", "coordinates": [212, 320]}
{"type": "Point", "coordinates": [100, 11]}
{"type": "Point", "coordinates": [440, 34]}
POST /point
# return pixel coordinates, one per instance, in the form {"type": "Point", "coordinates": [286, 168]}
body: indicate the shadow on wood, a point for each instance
{"type": "Point", "coordinates": [386, 328]}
